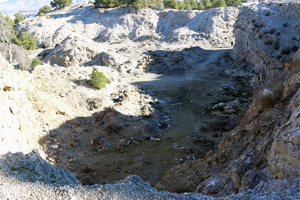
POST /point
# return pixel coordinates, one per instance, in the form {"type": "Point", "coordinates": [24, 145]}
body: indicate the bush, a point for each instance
{"type": "Point", "coordinates": [35, 62]}
{"type": "Point", "coordinates": [41, 14]}
{"type": "Point", "coordinates": [171, 4]}
{"type": "Point", "coordinates": [26, 41]}
{"type": "Point", "coordinates": [19, 17]}
{"type": "Point", "coordinates": [98, 80]}
{"type": "Point", "coordinates": [44, 9]}
{"type": "Point", "coordinates": [60, 3]}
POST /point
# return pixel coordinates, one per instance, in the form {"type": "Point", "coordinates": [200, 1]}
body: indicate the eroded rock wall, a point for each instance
{"type": "Point", "coordinates": [201, 28]}
{"type": "Point", "coordinates": [19, 128]}
{"type": "Point", "coordinates": [266, 36]}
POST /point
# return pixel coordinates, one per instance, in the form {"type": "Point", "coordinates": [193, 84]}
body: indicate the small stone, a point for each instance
{"type": "Point", "coordinates": [55, 146]}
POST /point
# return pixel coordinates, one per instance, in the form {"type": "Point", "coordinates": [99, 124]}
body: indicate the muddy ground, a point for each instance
{"type": "Point", "coordinates": [197, 95]}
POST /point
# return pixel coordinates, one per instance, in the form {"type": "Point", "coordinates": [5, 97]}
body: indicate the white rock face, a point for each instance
{"type": "Point", "coordinates": [76, 49]}
{"type": "Point", "coordinates": [19, 128]}
{"type": "Point", "coordinates": [212, 27]}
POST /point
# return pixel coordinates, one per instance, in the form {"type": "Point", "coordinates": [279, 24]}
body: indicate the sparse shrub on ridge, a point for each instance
{"type": "Point", "coordinates": [35, 62]}
{"type": "Point", "coordinates": [98, 80]}
{"type": "Point", "coordinates": [44, 9]}
{"type": "Point", "coordinates": [60, 3]}
{"type": "Point", "coordinates": [171, 4]}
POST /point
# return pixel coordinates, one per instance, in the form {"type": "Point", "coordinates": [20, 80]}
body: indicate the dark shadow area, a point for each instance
{"type": "Point", "coordinates": [108, 146]}
{"type": "Point", "coordinates": [45, 53]}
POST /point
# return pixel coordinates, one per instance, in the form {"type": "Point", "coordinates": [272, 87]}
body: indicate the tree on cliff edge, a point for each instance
{"type": "Point", "coordinates": [60, 3]}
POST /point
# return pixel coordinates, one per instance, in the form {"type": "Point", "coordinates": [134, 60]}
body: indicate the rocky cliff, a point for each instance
{"type": "Point", "coordinates": [262, 152]}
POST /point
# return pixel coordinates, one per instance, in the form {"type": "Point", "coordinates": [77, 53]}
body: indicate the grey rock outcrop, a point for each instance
{"type": "Point", "coordinates": [211, 28]}
{"type": "Point", "coordinates": [267, 46]}
{"type": "Point", "coordinates": [77, 49]}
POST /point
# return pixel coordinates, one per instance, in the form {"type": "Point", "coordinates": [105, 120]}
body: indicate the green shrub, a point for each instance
{"type": "Point", "coordinates": [19, 17]}
{"type": "Point", "coordinates": [98, 80]}
{"type": "Point", "coordinates": [91, 2]}
{"type": "Point", "coordinates": [45, 9]}
{"type": "Point", "coordinates": [26, 41]}
{"type": "Point", "coordinates": [41, 14]}
{"type": "Point", "coordinates": [60, 3]}
{"type": "Point", "coordinates": [35, 62]}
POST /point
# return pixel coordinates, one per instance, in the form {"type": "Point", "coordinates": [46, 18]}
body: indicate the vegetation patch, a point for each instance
{"type": "Point", "coordinates": [35, 62]}
{"type": "Point", "coordinates": [98, 80]}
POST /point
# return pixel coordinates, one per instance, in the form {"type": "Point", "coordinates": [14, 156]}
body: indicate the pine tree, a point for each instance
{"type": "Point", "coordinates": [234, 3]}
{"type": "Point", "coordinates": [187, 5]}
{"type": "Point", "coordinates": [19, 17]}
{"type": "Point", "coordinates": [181, 5]}
{"type": "Point", "coordinates": [201, 6]}
{"type": "Point", "coordinates": [44, 9]}
{"type": "Point", "coordinates": [194, 4]}
{"type": "Point", "coordinates": [207, 4]}
{"type": "Point", "coordinates": [218, 3]}
{"type": "Point", "coordinates": [60, 3]}
{"type": "Point", "coordinates": [26, 41]}
{"type": "Point", "coordinates": [171, 4]}
{"type": "Point", "coordinates": [160, 4]}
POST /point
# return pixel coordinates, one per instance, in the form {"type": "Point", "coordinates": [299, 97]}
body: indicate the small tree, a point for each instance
{"type": "Point", "coordinates": [35, 62]}
{"type": "Point", "coordinates": [9, 22]}
{"type": "Point", "coordinates": [26, 41]}
{"type": "Point", "coordinates": [19, 17]}
{"type": "Point", "coordinates": [171, 4]}
{"type": "Point", "coordinates": [187, 5]}
{"type": "Point", "coordinates": [201, 6]}
{"type": "Point", "coordinates": [181, 5]}
{"type": "Point", "coordinates": [160, 4]}
{"type": "Point", "coordinates": [194, 4]}
{"type": "Point", "coordinates": [218, 3]}
{"type": "Point", "coordinates": [6, 32]}
{"type": "Point", "coordinates": [207, 4]}
{"type": "Point", "coordinates": [98, 80]}
{"type": "Point", "coordinates": [44, 9]}
{"type": "Point", "coordinates": [106, 3]}
{"type": "Point", "coordinates": [60, 3]}
{"type": "Point", "coordinates": [234, 3]}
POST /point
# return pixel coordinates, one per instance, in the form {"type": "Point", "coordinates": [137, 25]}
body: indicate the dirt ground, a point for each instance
{"type": "Point", "coordinates": [195, 96]}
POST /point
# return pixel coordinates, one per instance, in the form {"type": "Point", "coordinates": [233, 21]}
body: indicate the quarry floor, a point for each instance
{"type": "Point", "coordinates": [186, 123]}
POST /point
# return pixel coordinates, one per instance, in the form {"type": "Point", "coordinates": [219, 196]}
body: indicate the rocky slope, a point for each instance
{"type": "Point", "coordinates": [94, 132]}
{"type": "Point", "coordinates": [212, 27]}
{"type": "Point", "coordinates": [262, 152]}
